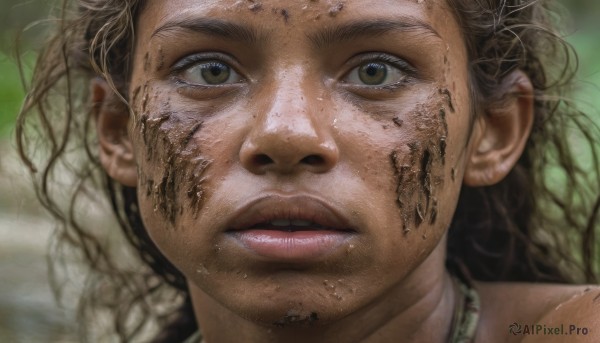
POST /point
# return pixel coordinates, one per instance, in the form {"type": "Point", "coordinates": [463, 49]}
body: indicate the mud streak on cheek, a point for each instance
{"type": "Point", "coordinates": [419, 170]}
{"type": "Point", "coordinates": [170, 146]}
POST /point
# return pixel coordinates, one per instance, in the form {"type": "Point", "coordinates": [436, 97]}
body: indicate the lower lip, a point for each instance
{"type": "Point", "coordinates": [292, 246]}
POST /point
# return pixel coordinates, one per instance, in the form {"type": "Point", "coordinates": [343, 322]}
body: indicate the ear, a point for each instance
{"type": "Point", "coordinates": [112, 119]}
{"type": "Point", "coordinates": [499, 137]}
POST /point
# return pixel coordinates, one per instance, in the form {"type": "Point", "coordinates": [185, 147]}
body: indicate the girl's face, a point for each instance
{"type": "Point", "coordinates": [297, 160]}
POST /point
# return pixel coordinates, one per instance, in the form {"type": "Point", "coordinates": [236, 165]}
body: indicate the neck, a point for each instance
{"type": "Point", "coordinates": [418, 309]}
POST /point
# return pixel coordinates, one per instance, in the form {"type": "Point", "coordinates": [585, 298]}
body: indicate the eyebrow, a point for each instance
{"type": "Point", "coordinates": [322, 38]}
{"type": "Point", "coordinates": [211, 27]}
{"type": "Point", "coordinates": [369, 28]}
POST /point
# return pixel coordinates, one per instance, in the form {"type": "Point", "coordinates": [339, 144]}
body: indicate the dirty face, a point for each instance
{"type": "Point", "coordinates": [298, 160]}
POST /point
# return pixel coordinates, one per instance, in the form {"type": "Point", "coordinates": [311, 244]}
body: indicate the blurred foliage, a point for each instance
{"type": "Point", "coordinates": [11, 94]}
{"type": "Point", "coordinates": [17, 24]}
{"type": "Point", "coordinates": [20, 20]}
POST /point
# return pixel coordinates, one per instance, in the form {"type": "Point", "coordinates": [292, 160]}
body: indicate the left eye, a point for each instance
{"type": "Point", "coordinates": [375, 74]}
{"type": "Point", "coordinates": [210, 73]}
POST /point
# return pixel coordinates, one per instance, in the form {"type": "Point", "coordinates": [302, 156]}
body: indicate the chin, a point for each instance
{"type": "Point", "coordinates": [287, 299]}
{"type": "Point", "coordinates": [295, 311]}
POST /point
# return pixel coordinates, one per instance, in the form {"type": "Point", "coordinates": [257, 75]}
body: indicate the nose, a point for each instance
{"type": "Point", "coordinates": [288, 137]}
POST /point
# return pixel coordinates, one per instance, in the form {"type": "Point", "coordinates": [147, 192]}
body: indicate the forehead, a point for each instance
{"type": "Point", "coordinates": [288, 18]}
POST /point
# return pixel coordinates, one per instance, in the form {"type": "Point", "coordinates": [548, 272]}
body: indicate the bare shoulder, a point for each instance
{"type": "Point", "coordinates": [525, 312]}
{"type": "Point", "coordinates": [578, 318]}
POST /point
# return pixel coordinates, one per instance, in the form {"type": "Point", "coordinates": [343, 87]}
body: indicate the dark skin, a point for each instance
{"type": "Point", "coordinates": [232, 103]}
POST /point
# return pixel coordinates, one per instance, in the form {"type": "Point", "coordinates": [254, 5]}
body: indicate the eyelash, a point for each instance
{"type": "Point", "coordinates": [356, 62]}
{"type": "Point", "coordinates": [390, 60]}
{"type": "Point", "coordinates": [192, 60]}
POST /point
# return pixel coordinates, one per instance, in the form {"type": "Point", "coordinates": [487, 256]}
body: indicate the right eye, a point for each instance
{"type": "Point", "coordinates": [209, 73]}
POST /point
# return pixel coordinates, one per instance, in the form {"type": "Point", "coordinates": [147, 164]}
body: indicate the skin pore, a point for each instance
{"type": "Point", "coordinates": [355, 113]}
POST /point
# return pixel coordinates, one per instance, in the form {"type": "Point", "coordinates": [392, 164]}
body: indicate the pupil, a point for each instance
{"type": "Point", "coordinates": [215, 70]}
{"type": "Point", "coordinates": [215, 73]}
{"type": "Point", "coordinates": [373, 73]}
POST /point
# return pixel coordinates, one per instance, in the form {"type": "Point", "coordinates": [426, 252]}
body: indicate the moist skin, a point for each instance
{"type": "Point", "coordinates": [419, 166]}
{"type": "Point", "coordinates": [194, 136]}
{"type": "Point", "coordinates": [169, 138]}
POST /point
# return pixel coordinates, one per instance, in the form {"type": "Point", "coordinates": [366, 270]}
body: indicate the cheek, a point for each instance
{"type": "Point", "coordinates": [413, 150]}
{"type": "Point", "coordinates": [420, 165]}
{"type": "Point", "coordinates": [171, 164]}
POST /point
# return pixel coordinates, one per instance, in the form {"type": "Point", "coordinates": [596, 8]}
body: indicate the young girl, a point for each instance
{"type": "Point", "coordinates": [320, 170]}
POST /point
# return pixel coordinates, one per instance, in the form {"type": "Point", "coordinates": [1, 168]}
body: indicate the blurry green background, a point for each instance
{"type": "Point", "coordinates": [27, 311]}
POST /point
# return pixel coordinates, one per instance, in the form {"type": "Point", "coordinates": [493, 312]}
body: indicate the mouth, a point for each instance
{"type": "Point", "coordinates": [290, 229]}
{"type": "Point", "coordinates": [290, 214]}
{"type": "Point", "coordinates": [294, 225]}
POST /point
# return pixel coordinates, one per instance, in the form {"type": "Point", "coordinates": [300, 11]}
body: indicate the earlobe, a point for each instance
{"type": "Point", "coordinates": [112, 119]}
{"type": "Point", "coordinates": [499, 137]}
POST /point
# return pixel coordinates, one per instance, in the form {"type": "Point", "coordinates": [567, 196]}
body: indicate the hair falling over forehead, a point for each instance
{"type": "Point", "coordinates": [521, 229]}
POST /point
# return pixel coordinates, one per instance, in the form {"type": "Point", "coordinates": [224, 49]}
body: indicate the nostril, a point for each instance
{"type": "Point", "coordinates": [262, 160]}
{"type": "Point", "coordinates": [313, 160]}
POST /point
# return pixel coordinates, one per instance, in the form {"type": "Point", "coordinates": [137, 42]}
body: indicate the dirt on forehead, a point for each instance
{"type": "Point", "coordinates": [332, 9]}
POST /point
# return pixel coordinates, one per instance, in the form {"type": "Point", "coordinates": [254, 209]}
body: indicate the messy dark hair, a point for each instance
{"type": "Point", "coordinates": [537, 225]}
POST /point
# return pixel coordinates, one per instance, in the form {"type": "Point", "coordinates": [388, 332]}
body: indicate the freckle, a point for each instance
{"type": "Point", "coordinates": [286, 15]}
{"type": "Point", "coordinates": [385, 127]}
{"type": "Point", "coordinates": [399, 122]}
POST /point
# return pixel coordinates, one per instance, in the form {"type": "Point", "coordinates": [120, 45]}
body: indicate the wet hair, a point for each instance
{"type": "Point", "coordinates": [537, 225]}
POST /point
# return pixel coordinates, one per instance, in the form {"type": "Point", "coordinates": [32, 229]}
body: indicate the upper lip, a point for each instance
{"type": "Point", "coordinates": [273, 207]}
